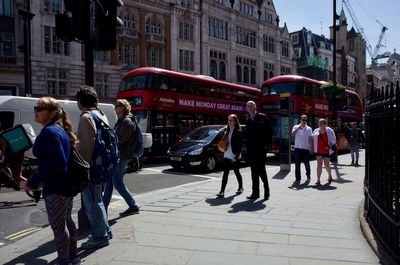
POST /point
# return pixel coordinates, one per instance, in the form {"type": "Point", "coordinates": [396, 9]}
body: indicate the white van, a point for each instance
{"type": "Point", "coordinates": [17, 110]}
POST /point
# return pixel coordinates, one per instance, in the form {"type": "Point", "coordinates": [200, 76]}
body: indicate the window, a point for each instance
{"type": "Point", "coordinates": [245, 8]}
{"type": "Point", "coordinates": [285, 70]}
{"type": "Point", "coordinates": [297, 52]}
{"type": "Point", "coordinates": [53, 45]}
{"type": "Point", "coordinates": [7, 44]}
{"type": "Point", "coordinates": [295, 38]}
{"type": "Point", "coordinates": [101, 84]}
{"type": "Point", "coordinates": [128, 54]}
{"type": "Point", "coordinates": [285, 49]}
{"type": "Point", "coordinates": [217, 28]}
{"type": "Point", "coordinates": [186, 31]}
{"type": "Point", "coordinates": [269, 69]}
{"type": "Point", "coordinates": [246, 70]}
{"type": "Point", "coordinates": [6, 8]}
{"type": "Point", "coordinates": [268, 44]}
{"type": "Point", "coordinates": [128, 19]}
{"type": "Point", "coordinates": [219, 1]}
{"type": "Point", "coordinates": [153, 25]}
{"type": "Point", "coordinates": [186, 3]}
{"type": "Point", "coordinates": [218, 65]}
{"type": "Point", "coordinates": [155, 56]}
{"type": "Point", "coordinates": [101, 56]}
{"type": "Point", "coordinates": [186, 60]}
{"type": "Point", "coordinates": [268, 18]}
{"type": "Point", "coordinates": [245, 37]}
{"type": "Point", "coordinates": [57, 81]}
{"type": "Point", "coordinates": [53, 6]}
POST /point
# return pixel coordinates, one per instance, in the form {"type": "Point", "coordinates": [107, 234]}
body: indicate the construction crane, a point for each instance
{"type": "Point", "coordinates": [373, 53]}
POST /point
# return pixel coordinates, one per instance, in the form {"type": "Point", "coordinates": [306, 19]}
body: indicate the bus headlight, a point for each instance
{"type": "Point", "coordinates": [197, 151]}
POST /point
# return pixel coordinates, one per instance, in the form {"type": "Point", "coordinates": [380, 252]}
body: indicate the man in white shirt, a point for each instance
{"type": "Point", "coordinates": [303, 146]}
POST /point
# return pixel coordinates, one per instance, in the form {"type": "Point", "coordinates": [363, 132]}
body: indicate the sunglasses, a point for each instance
{"type": "Point", "coordinates": [39, 109]}
{"type": "Point", "coordinates": [303, 119]}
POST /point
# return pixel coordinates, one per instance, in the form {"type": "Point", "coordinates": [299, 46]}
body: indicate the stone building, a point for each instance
{"type": "Point", "coordinates": [237, 41]}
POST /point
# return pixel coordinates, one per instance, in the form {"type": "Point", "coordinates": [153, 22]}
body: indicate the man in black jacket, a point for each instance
{"type": "Point", "coordinates": [259, 138]}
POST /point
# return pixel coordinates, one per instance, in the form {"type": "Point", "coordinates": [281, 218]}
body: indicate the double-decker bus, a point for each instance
{"type": "Point", "coordinates": [169, 104]}
{"type": "Point", "coordinates": [284, 98]}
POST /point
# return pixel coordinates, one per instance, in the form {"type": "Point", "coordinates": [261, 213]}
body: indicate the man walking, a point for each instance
{"type": "Point", "coordinates": [303, 145]}
{"type": "Point", "coordinates": [259, 137]}
{"type": "Point", "coordinates": [355, 137]}
{"type": "Point", "coordinates": [92, 195]}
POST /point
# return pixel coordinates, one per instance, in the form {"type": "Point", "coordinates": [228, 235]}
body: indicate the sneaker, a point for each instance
{"type": "Point", "coordinates": [130, 211]}
{"type": "Point", "coordinates": [92, 244]}
{"type": "Point", "coordinates": [220, 194]}
{"type": "Point", "coordinates": [296, 182]}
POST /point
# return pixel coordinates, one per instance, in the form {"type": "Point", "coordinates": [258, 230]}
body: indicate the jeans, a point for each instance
{"type": "Point", "coordinates": [96, 212]}
{"type": "Point", "coordinates": [355, 151]}
{"type": "Point", "coordinates": [302, 155]}
{"type": "Point", "coordinates": [117, 182]}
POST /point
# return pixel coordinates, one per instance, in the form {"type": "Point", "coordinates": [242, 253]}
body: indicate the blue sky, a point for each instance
{"type": "Point", "coordinates": [316, 15]}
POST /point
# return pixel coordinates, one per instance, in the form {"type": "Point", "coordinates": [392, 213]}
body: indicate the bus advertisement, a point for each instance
{"type": "Point", "coordinates": [307, 96]}
{"type": "Point", "coordinates": [170, 104]}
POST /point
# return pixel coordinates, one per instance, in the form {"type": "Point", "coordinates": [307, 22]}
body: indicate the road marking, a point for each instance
{"type": "Point", "coordinates": [199, 176]}
{"type": "Point", "coordinates": [23, 233]}
{"type": "Point", "coordinates": [1, 244]}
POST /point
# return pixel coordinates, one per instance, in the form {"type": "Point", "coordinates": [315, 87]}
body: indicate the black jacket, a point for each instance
{"type": "Point", "coordinates": [258, 133]}
{"type": "Point", "coordinates": [236, 141]}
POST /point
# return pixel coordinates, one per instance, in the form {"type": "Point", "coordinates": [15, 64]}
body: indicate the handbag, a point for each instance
{"type": "Point", "coordinates": [78, 172]}
{"type": "Point", "coordinates": [223, 143]}
{"type": "Point", "coordinates": [19, 138]}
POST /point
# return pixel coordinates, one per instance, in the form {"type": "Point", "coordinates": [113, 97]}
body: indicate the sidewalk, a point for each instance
{"type": "Point", "coordinates": [189, 225]}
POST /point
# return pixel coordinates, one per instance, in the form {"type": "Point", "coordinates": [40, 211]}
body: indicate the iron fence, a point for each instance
{"type": "Point", "coordinates": [382, 175]}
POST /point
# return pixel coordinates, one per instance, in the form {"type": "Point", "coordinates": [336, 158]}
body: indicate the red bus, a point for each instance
{"type": "Point", "coordinates": [305, 96]}
{"type": "Point", "coordinates": [169, 104]}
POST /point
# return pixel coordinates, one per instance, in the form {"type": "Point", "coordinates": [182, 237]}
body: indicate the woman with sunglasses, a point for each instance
{"type": "Point", "coordinates": [232, 154]}
{"type": "Point", "coordinates": [323, 138]}
{"type": "Point", "coordinates": [52, 149]}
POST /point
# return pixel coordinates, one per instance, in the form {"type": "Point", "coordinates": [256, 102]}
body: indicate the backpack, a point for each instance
{"type": "Point", "coordinates": [106, 155]}
{"type": "Point", "coordinates": [78, 172]}
{"type": "Point", "coordinates": [137, 148]}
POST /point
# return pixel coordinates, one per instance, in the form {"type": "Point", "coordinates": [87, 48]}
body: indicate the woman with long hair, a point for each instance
{"type": "Point", "coordinates": [232, 153]}
{"type": "Point", "coordinates": [52, 149]}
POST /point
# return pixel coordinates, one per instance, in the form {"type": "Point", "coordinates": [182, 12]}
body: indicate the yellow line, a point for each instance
{"type": "Point", "coordinates": [23, 233]}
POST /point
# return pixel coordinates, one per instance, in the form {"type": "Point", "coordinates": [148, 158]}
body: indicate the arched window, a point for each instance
{"type": "Point", "coordinates": [238, 73]}
{"type": "Point", "coordinates": [222, 71]}
{"type": "Point", "coordinates": [246, 75]}
{"type": "Point", "coordinates": [154, 26]}
{"type": "Point", "coordinates": [253, 75]}
{"type": "Point", "coordinates": [213, 69]}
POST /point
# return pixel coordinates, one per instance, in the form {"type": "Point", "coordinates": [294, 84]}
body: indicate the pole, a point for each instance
{"type": "Point", "coordinates": [334, 43]}
{"type": "Point", "coordinates": [27, 17]}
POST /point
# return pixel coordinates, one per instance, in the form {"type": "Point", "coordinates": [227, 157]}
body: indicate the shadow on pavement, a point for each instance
{"type": "Point", "coordinates": [304, 185]}
{"type": "Point", "coordinates": [20, 204]}
{"type": "Point", "coordinates": [34, 257]}
{"type": "Point", "coordinates": [247, 206]}
{"type": "Point", "coordinates": [336, 172]}
{"type": "Point", "coordinates": [220, 201]}
{"type": "Point", "coordinates": [281, 174]}
{"type": "Point", "coordinates": [326, 186]}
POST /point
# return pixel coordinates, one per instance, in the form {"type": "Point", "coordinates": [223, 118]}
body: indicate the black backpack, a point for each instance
{"type": "Point", "coordinates": [78, 172]}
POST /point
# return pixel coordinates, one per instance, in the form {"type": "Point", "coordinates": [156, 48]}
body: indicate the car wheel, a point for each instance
{"type": "Point", "coordinates": [210, 163]}
{"type": "Point", "coordinates": [175, 165]}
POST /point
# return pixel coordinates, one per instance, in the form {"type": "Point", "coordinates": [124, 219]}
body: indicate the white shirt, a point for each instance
{"type": "Point", "coordinates": [228, 153]}
{"type": "Point", "coordinates": [302, 136]}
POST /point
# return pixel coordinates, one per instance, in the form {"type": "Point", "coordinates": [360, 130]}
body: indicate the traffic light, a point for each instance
{"type": "Point", "coordinates": [77, 24]}
{"type": "Point", "coordinates": [105, 24]}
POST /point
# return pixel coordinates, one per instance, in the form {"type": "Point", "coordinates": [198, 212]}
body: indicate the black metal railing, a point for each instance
{"type": "Point", "coordinates": [382, 175]}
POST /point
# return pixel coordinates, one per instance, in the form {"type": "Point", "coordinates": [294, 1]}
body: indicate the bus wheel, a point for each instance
{"type": "Point", "coordinates": [210, 163]}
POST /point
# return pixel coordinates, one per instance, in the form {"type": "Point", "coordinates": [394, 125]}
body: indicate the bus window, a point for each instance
{"type": "Point", "coordinates": [159, 82]}
{"type": "Point", "coordinates": [277, 89]}
{"type": "Point", "coordinates": [178, 85]}
{"type": "Point", "coordinates": [195, 88]}
{"type": "Point", "coordinates": [133, 82]}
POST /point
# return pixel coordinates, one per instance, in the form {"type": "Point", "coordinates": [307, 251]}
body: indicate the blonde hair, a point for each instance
{"type": "Point", "coordinates": [125, 105]}
{"type": "Point", "coordinates": [59, 116]}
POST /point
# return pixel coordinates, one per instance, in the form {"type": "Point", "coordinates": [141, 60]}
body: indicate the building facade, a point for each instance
{"type": "Point", "coordinates": [237, 41]}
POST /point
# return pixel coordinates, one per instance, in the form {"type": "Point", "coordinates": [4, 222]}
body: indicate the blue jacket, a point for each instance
{"type": "Point", "coordinates": [52, 150]}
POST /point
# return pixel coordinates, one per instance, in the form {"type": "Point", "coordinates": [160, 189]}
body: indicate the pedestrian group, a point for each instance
{"type": "Point", "coordinates": [56, 141]}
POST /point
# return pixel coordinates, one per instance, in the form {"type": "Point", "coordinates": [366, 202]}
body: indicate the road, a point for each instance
{"type": "Point", "coordinates": [20, 216]}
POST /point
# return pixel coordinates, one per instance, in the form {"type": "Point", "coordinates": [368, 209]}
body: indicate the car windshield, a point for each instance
{"type": "Point", "coordinates": [202, 134]}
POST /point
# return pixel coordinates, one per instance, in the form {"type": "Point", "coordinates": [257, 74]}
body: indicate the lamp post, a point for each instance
{"type": "Point", "coordinates": [27, 17]}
